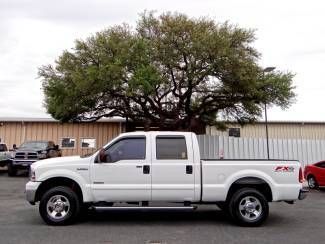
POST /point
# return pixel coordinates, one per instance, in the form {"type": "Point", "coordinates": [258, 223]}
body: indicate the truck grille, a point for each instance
{"type": "Point", "coordinates": [26, 155]}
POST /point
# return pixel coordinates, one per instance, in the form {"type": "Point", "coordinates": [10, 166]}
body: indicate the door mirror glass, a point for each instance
{"type": "Point", "coordinates": [101, 158]}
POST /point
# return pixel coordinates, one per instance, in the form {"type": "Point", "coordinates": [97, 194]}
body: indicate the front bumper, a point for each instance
{"type": "Point", "coordinates": [31, 188]}
{"type": "Point", "coordinates": [303, 194]}
{"type": "Point", "coordinates": [21, 163]}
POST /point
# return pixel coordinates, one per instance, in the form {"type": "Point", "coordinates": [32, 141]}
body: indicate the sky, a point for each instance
{"type": "Point", "coordinates": [290, 36]}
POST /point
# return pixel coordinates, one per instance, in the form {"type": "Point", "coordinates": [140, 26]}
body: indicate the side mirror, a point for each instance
{"type": "Point", "coordinates": [102, 156]}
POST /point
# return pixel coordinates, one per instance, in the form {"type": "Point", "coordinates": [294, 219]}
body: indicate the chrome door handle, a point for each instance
{"type": "Point", "coordinates": [139, 166]}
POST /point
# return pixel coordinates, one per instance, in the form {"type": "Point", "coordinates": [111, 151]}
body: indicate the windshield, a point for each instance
{"type": "Point", "coordinates": [33, 145]}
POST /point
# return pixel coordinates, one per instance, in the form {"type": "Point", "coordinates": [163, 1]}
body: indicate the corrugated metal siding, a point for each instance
{"type": "Point", "coordinates": [18, 132]}
{"type": "Point", "coordinates": [276, 131]}
{"type": "Point", "coordinates": [306, 151]}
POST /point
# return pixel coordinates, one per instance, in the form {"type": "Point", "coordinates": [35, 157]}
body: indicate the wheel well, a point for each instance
{"type": "Point", "coordinates": [58, 181]}
{"type": "Point", "coordinates": [310, 175]}
{"type": "Point", "coordinates": [252, 182]}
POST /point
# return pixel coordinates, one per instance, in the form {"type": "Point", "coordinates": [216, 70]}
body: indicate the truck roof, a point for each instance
{"type": "Point", "coordinates": [157, 132]}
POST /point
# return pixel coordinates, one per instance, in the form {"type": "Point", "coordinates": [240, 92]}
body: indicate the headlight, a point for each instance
{"type": "Point", "coordinates": [32, 176]}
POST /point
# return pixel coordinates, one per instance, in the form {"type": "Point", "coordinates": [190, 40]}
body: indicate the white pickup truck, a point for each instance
{"type": "Point", "coordinates": [147, 168]}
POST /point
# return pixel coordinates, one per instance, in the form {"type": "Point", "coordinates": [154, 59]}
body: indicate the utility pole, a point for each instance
{"type": "Point", "coordinates": [266, 70]}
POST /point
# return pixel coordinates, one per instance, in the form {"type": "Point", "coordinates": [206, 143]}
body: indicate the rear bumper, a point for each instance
{"type": "Point", "coordinates": [303, 194]}
{"type": "Point", "coordinates": [31, 188]}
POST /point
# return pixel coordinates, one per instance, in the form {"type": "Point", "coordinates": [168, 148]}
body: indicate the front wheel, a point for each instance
{"type": "Point", "coordinates": [12, 171]}
{"type": "Point", "coordinates": [248, 207]}
{"type": "Point", "coordinates": [59, 206]}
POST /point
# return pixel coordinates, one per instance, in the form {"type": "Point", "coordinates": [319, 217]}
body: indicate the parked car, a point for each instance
{"type": "Point", "coordinates": [5, 155]}
{"type": "Point", "coordinates": [315, 174]}
{"type": "Point", "coordinates": [30, 152]}
{"type": "Point", "coordinates": [162, 168]}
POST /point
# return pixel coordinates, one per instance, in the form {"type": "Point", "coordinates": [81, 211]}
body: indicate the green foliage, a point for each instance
{"type": "Point", "coordinates": [172, 71]}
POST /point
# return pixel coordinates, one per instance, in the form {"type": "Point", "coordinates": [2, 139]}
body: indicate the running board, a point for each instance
{"type": "Point", "coordinates": [142, 208]}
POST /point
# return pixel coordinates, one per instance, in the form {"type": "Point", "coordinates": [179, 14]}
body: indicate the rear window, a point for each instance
{"type": "Point", "coordinates": [171, 147]}
{"type": "Point", "coordinates": [3, 148]}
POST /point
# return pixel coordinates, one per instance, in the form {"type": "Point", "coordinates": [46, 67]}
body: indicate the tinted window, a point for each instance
{"type": "Point", "coordinates": [171, 147]}
{"type": "Point", "coordinates": [321, 165]}
{"type": "Point", "coordinates": [128, 148]}
{"type": "Point", "coordinates": [88, 143]}
{"type": "Point", "coordinates": [68, 142]}
{"type": "Point", "coordinates": [235, 132]}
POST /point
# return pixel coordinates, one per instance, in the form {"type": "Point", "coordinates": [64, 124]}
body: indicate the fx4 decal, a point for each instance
{"type": "Point", "coordinates": [284, 169]}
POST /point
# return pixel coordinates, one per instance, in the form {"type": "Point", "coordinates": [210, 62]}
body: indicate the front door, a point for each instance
{"type": "Point", "coordinates": [172, 168]}
{"type": "Point", "coordinates": [123, 171]}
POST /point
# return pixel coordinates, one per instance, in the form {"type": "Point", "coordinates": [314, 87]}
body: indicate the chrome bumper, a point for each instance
{"type": "Point", "coordinates": [23, 162]}
{"type": "Point", "coordinates": [303, 194]}
{"type": "Point", "coordinates": [31, 188]}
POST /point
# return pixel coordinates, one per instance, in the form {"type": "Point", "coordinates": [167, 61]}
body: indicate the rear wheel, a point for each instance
{"type": "Point", "coordinates": [59, 206]}
{"type": "Point", "coordinates": [12, 171]}
{"type": "Point", "coordinates": [248, 207]}
{"type": "Point", "coordinates": [312, 183]}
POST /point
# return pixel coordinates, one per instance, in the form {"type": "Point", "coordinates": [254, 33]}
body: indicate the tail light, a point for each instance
{"type": "Point", "coordinates": [301, 176]}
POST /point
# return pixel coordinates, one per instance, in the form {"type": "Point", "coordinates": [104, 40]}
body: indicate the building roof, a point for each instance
{"type": "Point", "coordinates": [49, 119]}
{"type": "Point", "coordinates": [119, 119]}
{"type": "Point", "coordinates": [290, 122]}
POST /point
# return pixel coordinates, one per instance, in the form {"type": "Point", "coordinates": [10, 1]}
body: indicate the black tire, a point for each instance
{"type": "Point", "coordinates": [248, 207]}
{"type": "Point", "coordinates": [12, 171]}
{"type": "Point", "coordinates": [312, 182]}
{"type": "Point", "coordinates": [60, 196]}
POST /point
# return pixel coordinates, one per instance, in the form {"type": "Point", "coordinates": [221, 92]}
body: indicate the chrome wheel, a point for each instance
{"type": "Point", "coordinates": [58, 206]}
{"type": "Point", "coordinates": [250, 208]}
{"type": "Point", "coordinates": [311, 182]}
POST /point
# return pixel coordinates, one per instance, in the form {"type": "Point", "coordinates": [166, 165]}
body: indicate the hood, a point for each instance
{"type": "Point", "coordinates": [60, 161]}
{"type": "Point", "coordinates": [29, 150]}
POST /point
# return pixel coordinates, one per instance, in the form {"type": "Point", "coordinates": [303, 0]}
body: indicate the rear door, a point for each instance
{"type": "Point", "coordinates": [172, 167]}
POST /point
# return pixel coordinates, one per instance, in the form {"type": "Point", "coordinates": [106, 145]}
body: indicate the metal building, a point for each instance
{"type": "Point", "coordinates": [277, 130]}
{"type": "Point", "coordinates": [72, 138]}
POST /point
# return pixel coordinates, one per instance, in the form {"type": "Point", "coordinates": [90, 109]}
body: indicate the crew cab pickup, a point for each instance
{"type": "Point", "coordinates": [160, 170]}
{"type": "Point", "coordinates": [30, 152]}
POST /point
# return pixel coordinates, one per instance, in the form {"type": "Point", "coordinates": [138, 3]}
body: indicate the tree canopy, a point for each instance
{"type": "Point", "coordinates": [171, 71]}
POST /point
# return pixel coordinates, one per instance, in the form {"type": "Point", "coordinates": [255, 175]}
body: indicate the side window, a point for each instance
{"type": "Point", "coordinates": [88, 143]}
{"type": "Point", "coordinates": [321, 165]}
{"type": "Point", "coordinates": [235, 132]}
{"type": "Point", "coordinates": [171, 147]}
{"type": "Point", "coordinates": [127, 148]}
{"type": "Point", "coordinates": [67, 142]}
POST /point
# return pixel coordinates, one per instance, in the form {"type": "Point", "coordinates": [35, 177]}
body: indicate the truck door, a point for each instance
{"type": "Point", "coordinates": [123, 171]}
{"type": "Point", "coordinates": [172, 168]}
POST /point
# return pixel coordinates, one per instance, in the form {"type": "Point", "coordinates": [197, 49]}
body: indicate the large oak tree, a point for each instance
{"type": "Point", "coordinates": [171, 71]}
